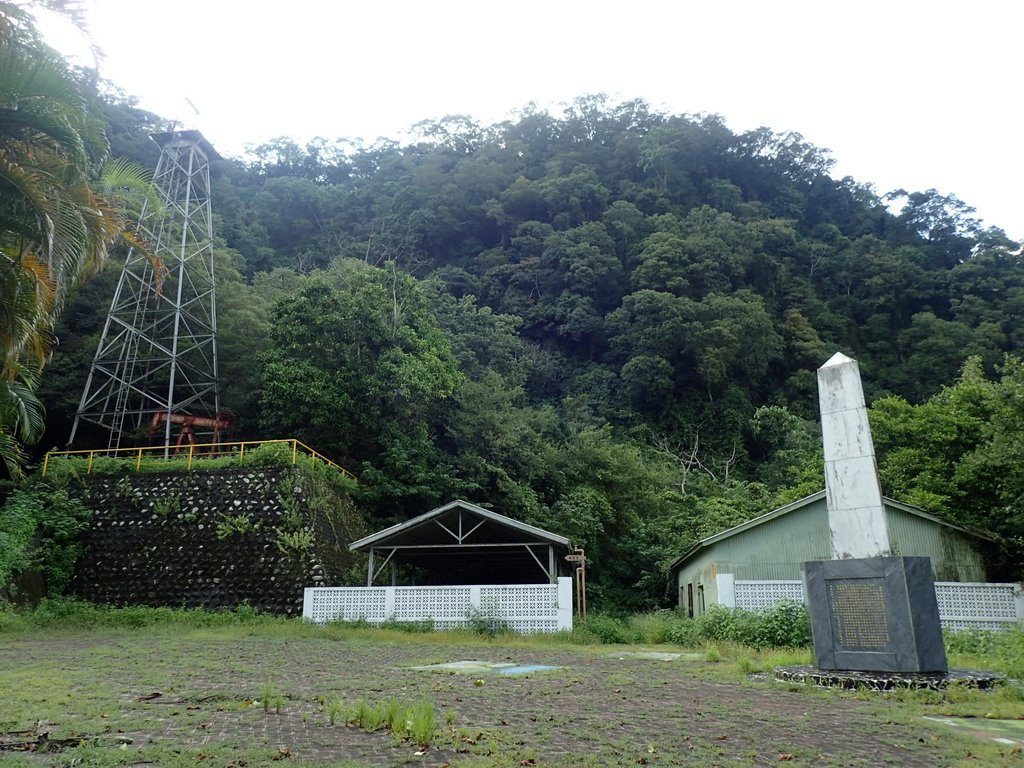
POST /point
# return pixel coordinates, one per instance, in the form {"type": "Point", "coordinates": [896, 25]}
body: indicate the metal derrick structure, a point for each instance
{"type": "Point", "coordinates": [156, 363]}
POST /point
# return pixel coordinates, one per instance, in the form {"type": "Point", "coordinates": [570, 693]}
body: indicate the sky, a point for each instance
{"type": "Point", "coordinates": [906, 94]}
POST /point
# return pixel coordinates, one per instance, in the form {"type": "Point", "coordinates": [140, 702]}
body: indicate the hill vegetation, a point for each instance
{"type": "Point", "coordinates": [605, 322]}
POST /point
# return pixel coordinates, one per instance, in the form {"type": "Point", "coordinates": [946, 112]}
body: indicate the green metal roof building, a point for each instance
{"type": "Point", "coordinates": [775, 546]}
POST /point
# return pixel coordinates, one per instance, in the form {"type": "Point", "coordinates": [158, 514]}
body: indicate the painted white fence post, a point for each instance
{"type": "Point", "coordinates": [474, 607]}
{"type": "Point", "coordinates": [307, 603]}
{"type": "Point", "coordinates": [389, 602]}
{"type": "Point", "coordinates": [564, 602]}
{"type": "Point", "coordinates": [726, 583]}
{"type": "Point", "coordinates": [1018, 598]}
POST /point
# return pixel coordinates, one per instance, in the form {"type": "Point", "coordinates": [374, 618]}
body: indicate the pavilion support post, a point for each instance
{"type": "Point", "coordinates": [369, 570]}
{"type": "Point", "coordinates": [552, 576]}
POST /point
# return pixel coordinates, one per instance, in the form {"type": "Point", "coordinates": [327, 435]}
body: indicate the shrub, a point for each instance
{"type": "Point", "coordinates": [684, 631]}
{"type": "Point", "coordinates": [59, 612]}
{"type": "Point", "coordinates": [607, 629]}
{"type": "Point", "coordinates": [720, 623]}
{"type": "Point", "coordinates": [268, 455]}
{"type": "Point", "coordinates": [652, 628]}
{"type": "Point", "coordinates": [786, 625]}
{"type": "Point", "coordinates": [294, 542]}
{"type": "Point", "coordinates": [485, 622]}
{"type": "Point", "coordinates": [39, 529]}
{"type": "Point", "coordinates": [412, 627]}
{"type": "Point", "coordinates": [1002, 650]}
{"type": "Point", "coordinates": [229, 524]}
{"type": "Point", "coordinates": [66, 613]}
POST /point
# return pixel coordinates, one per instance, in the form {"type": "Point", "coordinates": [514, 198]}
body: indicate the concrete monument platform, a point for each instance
{"type": "Point", "coordinates": [887, 681]}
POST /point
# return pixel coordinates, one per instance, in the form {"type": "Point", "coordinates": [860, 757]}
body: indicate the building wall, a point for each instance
{"type": "Point", "coordinates": [777, 550]}
{"type": "Point", "coordinates": [955, 557]}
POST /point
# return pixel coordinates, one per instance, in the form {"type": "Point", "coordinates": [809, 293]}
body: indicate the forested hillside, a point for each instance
{"type": "Point", "coordinates": [604, 322]}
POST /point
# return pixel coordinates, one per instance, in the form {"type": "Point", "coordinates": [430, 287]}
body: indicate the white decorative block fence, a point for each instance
{"type": "Point", "coordinates": [754, 595]}
{"type": "Point", "coordinates": [525, 608]}
{"type": "Point", "coordinates": [962, 605]}
{"type": "Point", "coordinates": [973, 605]}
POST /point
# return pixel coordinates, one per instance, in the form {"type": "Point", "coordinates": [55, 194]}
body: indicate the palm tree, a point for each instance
{"type": "Point", "coordinates": [58, 218]}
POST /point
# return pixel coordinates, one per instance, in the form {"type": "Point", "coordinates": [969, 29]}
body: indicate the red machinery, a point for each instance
{"type": "Point", "coordinates": [219, 422]}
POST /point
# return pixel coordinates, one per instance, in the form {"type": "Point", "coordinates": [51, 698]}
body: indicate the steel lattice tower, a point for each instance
{"type": "Point", "coordinates": [156, 362]}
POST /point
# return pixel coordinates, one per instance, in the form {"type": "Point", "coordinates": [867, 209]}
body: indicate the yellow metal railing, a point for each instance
{"type": "Point", "coordinates": [192, 452]}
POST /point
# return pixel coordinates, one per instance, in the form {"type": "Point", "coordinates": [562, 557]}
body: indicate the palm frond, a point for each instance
{"type": "Point", "coordinates": [61, 210]}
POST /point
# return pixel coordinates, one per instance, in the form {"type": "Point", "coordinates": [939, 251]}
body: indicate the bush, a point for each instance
{"type": "Point", "coordinates": [1002, 650]}
{"type": "Point", "coordinates": [606, 629]}
{"type": "Point", "coordinates": [719, 623]}
{"type": "Point", "coordinates": [652, 628]}
{"type": "Point", "coordinates": [485, 621]}
{"type": "Point", "coordinates": [785, 625]}
{"type": "Point", "coordinates": [39, 530]}
{"type": "Point", "coordinates": [684, 631]}
{"type": "Point", "coordinates": [65, 613]}
{"type": "Point", "coordinates": [411, 627]}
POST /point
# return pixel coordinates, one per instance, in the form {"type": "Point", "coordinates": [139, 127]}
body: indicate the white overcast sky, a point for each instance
{"type": "Point", "coordinates": [905, 93]}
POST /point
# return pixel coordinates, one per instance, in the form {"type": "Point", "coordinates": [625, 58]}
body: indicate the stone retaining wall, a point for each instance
{"type": "Point", "coordinates": [212, 539]}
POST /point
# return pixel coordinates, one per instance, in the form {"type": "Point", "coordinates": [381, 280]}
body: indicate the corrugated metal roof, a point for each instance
{"type": "Point", "coordinates": [417, 526]}
{"type": "Point", "coordinates": [799, 503]}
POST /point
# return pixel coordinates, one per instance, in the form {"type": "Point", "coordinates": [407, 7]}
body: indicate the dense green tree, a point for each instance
{"type": "Point", "coordinates": [356, 367]}
{"type": "Point", "coordinates": [605, 320]}
{"type": "Point", "coordinates": [959, 454]}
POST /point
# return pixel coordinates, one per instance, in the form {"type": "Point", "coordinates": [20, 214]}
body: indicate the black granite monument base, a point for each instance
{"type": "Point", "coordinates": [876, 614]}
{"type": "Point", "coordinates": [888, 681]}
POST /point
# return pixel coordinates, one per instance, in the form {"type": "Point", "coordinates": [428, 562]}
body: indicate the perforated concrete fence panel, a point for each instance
{"type": "Point", "coordinates": [512, 602]}
{"type": "Point", "coordinates": [979, 606]}
{"type": "Point", "coordinates": [444, 604]}
{"type": "Point", "coordinates": [345, 604]}
{"type": "Point", "coordinates": [756, 595]}
{"type": "Point", "coordinates": [524, 608]}
{"type": "Point", "coordinates": [962, 605]}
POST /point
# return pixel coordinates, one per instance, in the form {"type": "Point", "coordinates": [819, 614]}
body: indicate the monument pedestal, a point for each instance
{"type": "Point", "coordinates": [876, 614]}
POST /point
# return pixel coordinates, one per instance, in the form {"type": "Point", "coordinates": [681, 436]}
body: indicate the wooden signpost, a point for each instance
{"type": "Point", "coordinates": [578, 556]}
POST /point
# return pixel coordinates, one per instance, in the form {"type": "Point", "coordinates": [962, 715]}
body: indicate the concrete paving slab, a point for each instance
{"type": "Point", "coordinates": [476, 667]}
{"type": "Point", "coordinates": [1001, 731]}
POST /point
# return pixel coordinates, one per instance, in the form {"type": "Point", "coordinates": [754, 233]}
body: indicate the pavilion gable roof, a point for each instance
{"type": "Point", "coordinates": [460, 523]}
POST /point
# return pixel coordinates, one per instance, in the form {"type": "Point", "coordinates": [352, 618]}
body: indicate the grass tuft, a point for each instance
{"type": "Point", "coordinates": [335, 708]}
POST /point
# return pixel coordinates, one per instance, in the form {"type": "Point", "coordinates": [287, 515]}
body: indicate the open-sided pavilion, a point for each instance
{"type": "Point", "coordinates": [461, 543]}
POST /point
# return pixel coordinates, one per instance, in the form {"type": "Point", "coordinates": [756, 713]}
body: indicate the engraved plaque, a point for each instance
{"type": "Point", "coordinates": [859, 613]}
{"type": "Point", "coordinates": [876, 614]}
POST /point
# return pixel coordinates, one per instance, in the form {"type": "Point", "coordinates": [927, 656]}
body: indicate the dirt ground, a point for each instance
{"type": "Point", "coordinates": [202, 692]}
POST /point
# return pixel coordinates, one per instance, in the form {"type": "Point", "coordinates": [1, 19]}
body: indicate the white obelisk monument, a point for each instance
{"type": "Point", "coordinates": [856, 516]}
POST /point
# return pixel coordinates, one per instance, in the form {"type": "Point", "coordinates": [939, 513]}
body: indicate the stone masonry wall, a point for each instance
{"type": "Point", "coordinates": [212, 539]}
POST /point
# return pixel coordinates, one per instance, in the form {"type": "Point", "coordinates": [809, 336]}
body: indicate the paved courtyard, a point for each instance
{"type": "Point", "coordinates": [204, 691]}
